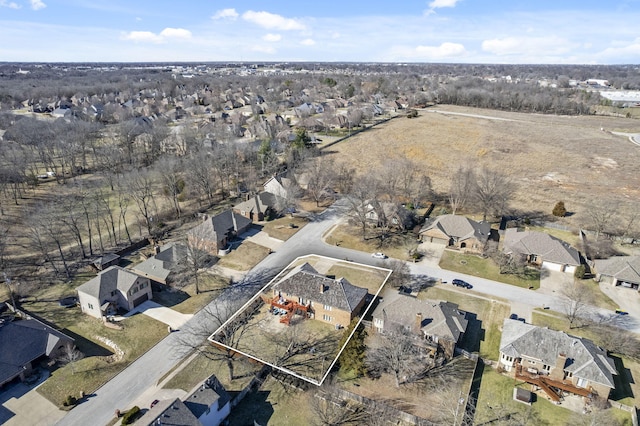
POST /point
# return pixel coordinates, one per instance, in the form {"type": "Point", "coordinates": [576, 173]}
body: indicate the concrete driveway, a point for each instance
{"type": "Point", "coordinates": [21, 404]}
{"type": "Point", "coordinates": [432, 252]}
{"type": "Point", "coordinates": [263, 239]}
{"type": "Point", "coordinates": [554, 282]}
{"type": "Point", "coordinates": [161, 313]}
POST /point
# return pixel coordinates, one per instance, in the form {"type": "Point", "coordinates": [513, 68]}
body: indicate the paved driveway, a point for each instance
{"type": "Point", "coordinates": [161, 313]}
{"type": "Point", "coordinates": [21, 405]}
{"type": "Point", "coordinates": [263, 239]}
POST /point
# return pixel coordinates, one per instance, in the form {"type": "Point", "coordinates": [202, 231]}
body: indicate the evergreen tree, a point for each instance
{"type": "Point", "coordinates": [352, 358]}
{"type": "Point", "coordinates": [559, 210]}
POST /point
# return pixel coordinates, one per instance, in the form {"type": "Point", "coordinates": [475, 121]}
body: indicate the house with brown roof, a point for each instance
{"type": "Point", "coordinates": [258, 207]}
{"type": "Point", "coordinates": [439, 323]}
{"type": "Point", "coordinates": [619, 271]}
{"type": "Point", "coordinates": [456, 231]}
{"type": "Point", "coordinates": [555, 361]}
{"type": "Point", "coordinates": [214, 233]}
{"type": "Point", "coordinates": [542, 250]}
{"type": "Point", "coordinates": [332, 300]}
{"type": "Point", "coordinates": [114, 288]}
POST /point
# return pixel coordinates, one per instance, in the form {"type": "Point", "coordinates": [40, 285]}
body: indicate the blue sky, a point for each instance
{"type": "Point", "coordinates": [452, 31]}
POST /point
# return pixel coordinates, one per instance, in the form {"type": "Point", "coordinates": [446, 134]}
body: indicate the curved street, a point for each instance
{"type": "Point", "coordinates": [148, 370]}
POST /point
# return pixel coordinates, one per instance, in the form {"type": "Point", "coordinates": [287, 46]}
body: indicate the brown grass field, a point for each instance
{"type": "Point", "coordinates": [549, 157]}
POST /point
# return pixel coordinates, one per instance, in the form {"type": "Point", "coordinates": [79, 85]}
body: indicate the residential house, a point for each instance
{"type": "Point", "coordinates": [439, 323]}
{"type": "Point", "coordinates": [23, 343]}
{"type": "Point", "coordinates": [459, 232]}
{"type": "Point", "coordinates": [162, 266]}
{"type": "Point", "coordinates": [258, 207]}
{"type": "Point", "coordinates": [542, 250]}
{"type": "Point", "coordinates": [114, 288]}
{"type": "Point", "coordinates": [619, 271]}
{"type": "Point", "coordinates": [214, 233]}
{"type": "Point", "coordinates": [330, 300]}
{"type": "Point", "coordinates": [555, 361]}
{"type": "Point", "coordinates": [208, 404]}
{"type": "Point", "coordinates": [391, 215]}
{"type": "Point", "coordinates": [279, 185]}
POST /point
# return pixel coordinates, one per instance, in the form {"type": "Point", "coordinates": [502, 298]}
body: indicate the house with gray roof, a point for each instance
{"type": "Point", "coordinates": [112, 289]}
{"type": "Point", "coordinates": [619, 271]}
{"type": "Point", "coordinates": [542, 250]}
{"type": "Point", "coordinates": [556, 361]}
{"type": "Point", "coordinates": [214, 233]}
{"type": "Point", "coordinates": [332, 300]}
{"type": "Point", "coordinates": [391, 215]}
{"type": "Point", "coordinates": [456, 231]}
{"type": "Point", "coordinates": [23, 343]}
{"type": "Point", "coordinates": [161, 267]}
{"type": "Point", "coordinates": [438, 322]}
{"type": "Point", "coordinates": [208, 404]}
{"type": "Point", "coordinates": [258, 207]}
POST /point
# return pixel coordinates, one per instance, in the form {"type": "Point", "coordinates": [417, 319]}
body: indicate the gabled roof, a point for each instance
{"type": "Point", "coordinates": [112, 278]}
{"type": "Point", "coordinates": [216, 228]}
{"type": "Point", "coordinates": [459, 227]}
{"type": "Point", "coordinates": [23, 341]}
{"type": "Point", "coordinates": [259, 203]}
{"type": "Point", "coordinates": [304, 281]}
{"type": "Point", "coordinates": [442, 319]}
{"type": "Point", "coordinates": [624, 268]}
{"type": "Point", "coordinates": [162, 264]}
{"type": "Point", "coordinates": [584, 359]}
{"type": "Point", "coordinates": [550, 248]}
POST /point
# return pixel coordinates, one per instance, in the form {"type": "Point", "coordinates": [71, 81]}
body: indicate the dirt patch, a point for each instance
{"type": "Point", "coordinates": [550, 157]}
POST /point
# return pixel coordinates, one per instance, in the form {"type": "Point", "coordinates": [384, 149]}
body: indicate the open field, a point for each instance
{"type": "Point", "coordinates": [549, 157]}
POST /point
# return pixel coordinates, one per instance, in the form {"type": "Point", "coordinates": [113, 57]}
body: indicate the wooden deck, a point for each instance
{"type": "Point", "coordinates": [550, 386]}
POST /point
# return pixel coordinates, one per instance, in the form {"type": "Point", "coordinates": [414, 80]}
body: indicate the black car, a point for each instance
{"type": "Point", "coordinates": [460, 283]}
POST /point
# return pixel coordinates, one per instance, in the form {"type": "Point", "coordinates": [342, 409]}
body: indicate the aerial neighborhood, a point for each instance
{"type": "Point", "coordinates": [329, 244]}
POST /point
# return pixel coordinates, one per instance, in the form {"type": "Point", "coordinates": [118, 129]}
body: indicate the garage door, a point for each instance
{"type": "Point", "coordinates": [141, 299]}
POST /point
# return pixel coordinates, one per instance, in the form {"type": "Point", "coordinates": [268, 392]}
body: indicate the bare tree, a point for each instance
{"type": "Point", "coordinates": [400, 273]}
{"type": "Point", "coordinates": [68, 355]}
{"type": "Point", "coordinates": [170, 171]}
{"type": "Point", "coordinates": [364, 191]}
{"type": "Point", "coordinates": [330, 410]}
{"type": "Point", "coordinates": [600, 216]}
{"type": "Point", "coordinates": [576, 301]}
{"type": "Point", "coordinates": [461, 188]}
{"type": "Point", "coordinates": [141, 187]}
{"type": "Point", "coordinates": [321, 177]}
{"type": "Point", "coordinates": [492, 191]}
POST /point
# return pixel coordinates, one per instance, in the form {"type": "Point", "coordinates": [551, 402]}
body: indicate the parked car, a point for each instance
{"type": "Point", "coordinates": [513, 316]}
{"type": "Point", "coordinates": [460, 283]}
{"type": "Point", "coordinates": [379, 255]}
{"type": "Point", "coordinates": [153, 403]}
{"type": "Point", "coordinates": [621, 312]}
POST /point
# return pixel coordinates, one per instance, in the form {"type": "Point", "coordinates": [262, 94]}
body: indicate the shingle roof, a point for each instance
{"type": "Point", "coordinates": [304, 281]}
{"type": "Point", "coordinates": [550, 248]}
{"type": "Point", "coordinates": [259, 203]}
{"type": "Point", "coordinates": [24, 341]}
{"type": "Point", "coordinates": [442, 319]}
{"type": "Point", "coordinates": [624, 268]}
{"type": "Point", "coordinates": [112, 278]}
{"type": "Point", "coordinates": [459, 227]}
{"type": "Point", "coordinates": [162, 264]}
{"type": "Point", "coordinates": [216, 228]}
{"type": "Point", "coordinates": [584, 358]}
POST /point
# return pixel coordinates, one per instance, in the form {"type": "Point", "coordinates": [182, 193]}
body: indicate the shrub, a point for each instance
{"type": "Point", "coordinates": [130, 415]}
{"type": "Point", "coordinates": [559, 210]}
{"type": "Point", "coordinates": [581, 270]}
{"type": "Point", "coordinates": [69, 401]}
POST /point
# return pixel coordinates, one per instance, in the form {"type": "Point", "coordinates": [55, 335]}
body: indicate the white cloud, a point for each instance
{"type": "Point", "coordinates": [225, 14]}
{"type": "Point", "coordinates": [264, 49]}
{"type": "Point", "coordinates": [142, 36]}
{"type": "Point", "coordinates": [629, 50]}
{"type": "Point", "coordinates": [272, 21]}
{"type": "Point", "coordinates": [150, 37]}
{"type": "Point", "coordinates": [436, 4]}
{"type": "Point", "coordinates": [37, 4]}
{"type": "Point", "coordinates": [445, 50]}
{"type": "Point", "coordinates": [307, 42]}
{"type": "Point", "coordinates": [272, 37]}
{"type": "Point", "coordinates": [175, 33]}
{"type": "Point", "coordinates": [10, 5]}
{"type": "Point", "coordinates": [528, 46]}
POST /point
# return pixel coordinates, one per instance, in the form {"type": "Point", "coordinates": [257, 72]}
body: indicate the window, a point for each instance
{"type": "Point", "coordinates": [581, 383]}
{"type": "Point", "coordinates": [90, 305]}
{"type": "Point", "coordinates": [546, 367]}
{"type": "Point", "coordinates": [327, 307]}
{"type": "Point", "coordinates": [377, 321]}
{"type": "Point", "coordinates": [326, 318]}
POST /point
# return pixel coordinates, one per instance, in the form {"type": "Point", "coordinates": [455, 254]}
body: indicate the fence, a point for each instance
{"type": "Point", "coordinates": [355, 132]}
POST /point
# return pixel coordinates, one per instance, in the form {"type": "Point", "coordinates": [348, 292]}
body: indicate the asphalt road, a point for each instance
{"type": "Point", "coordinates": [153, 365]}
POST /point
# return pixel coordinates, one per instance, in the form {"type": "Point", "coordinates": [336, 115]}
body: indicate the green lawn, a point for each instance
{"type": "Point", "coordinates": [140, 333]}
{"type": "Point", "coordinates": [284, 227]}
{"type": "Point", "coordinates": [485, 268]}
{"type": "Point", "coordinates": [244, 257]}
{"type": "Point", "coordinates": [483, 333]}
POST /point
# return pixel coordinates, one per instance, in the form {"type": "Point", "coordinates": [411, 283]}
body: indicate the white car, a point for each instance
{"type": "Point", "coordinates": [379, 255]}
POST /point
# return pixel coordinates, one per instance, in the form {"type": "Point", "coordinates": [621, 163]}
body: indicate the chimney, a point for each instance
{"type": "Point", "coordinates": [322, 288]}
{"type": "Point", "coordinates": [418, 325]}
{"type": "Point", "coordinates": [156, 249]}
{"type": "Point", "coordinates": [557, 373]}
